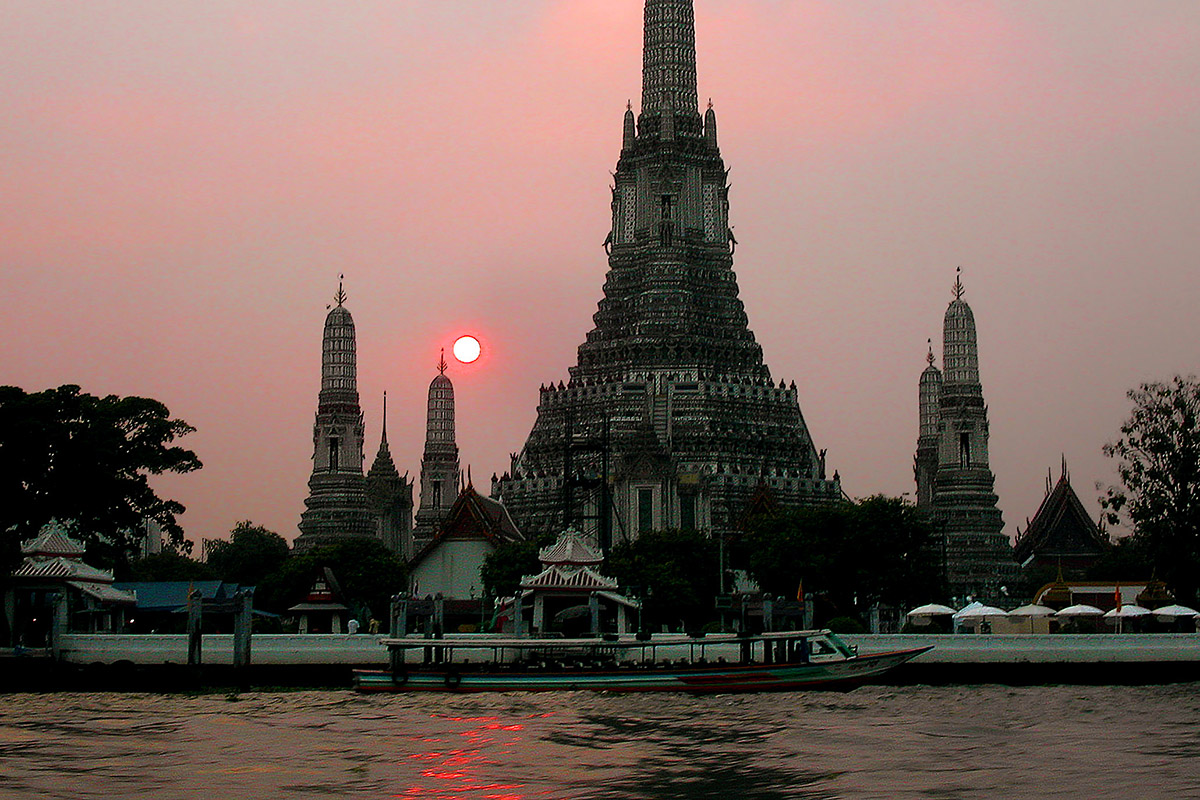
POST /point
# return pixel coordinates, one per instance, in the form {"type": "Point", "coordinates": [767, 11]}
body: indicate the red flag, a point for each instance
{"type": "Point", "coordinates": [800, 592]}
{"type": "Point", "coordinates": [1118, 597]}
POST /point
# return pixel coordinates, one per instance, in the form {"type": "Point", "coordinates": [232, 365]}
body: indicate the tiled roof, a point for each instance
{"type": "Point", "coordinates": [104, 593]}
{"type": "Point", "coordinates": [1061, 527]}
{"type": "Point", "coordinates": [60, 568]}
{"type": "Point", "coordinates": [53, 540]}
{"type": "Point", "coordinates": [570, 548]}
{"type": "Point", "coordinates": [556, 577]}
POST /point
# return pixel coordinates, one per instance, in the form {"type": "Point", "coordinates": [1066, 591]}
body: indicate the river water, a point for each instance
{"type": "Point", "coordinates": [874, 742]}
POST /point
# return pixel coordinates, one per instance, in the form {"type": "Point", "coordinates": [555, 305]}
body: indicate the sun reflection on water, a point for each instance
{"type": "Point", "coordinates": [464, 771]}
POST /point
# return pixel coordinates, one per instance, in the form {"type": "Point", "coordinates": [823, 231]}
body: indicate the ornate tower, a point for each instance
{"type": "Point", "coordinates": [925, 463]}
{"type": "Point", "coordinates": [336, 507]}
{"type": "Point", "coordinates": [979, 558]}
{"type": "Point", "coordinates": [670, 418]}
{"type": "Point", "coordinates": [439, 464]}
{"type": "Point", "coordinates": [390, 497]}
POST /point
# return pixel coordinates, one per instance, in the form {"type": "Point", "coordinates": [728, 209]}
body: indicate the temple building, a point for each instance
{"type": "Point", "coordinates": [337, 507]}
{"type": "Point", "coordinates": [440, 473]}
{"type": "Point", "coordinates": [1061, 535]}
{"type": "Point", "coordinates": [953, 478]}
{"type": "Point", "coordinates": [670, 418]}
{"type": "Point", "coordinates": [449, 564]}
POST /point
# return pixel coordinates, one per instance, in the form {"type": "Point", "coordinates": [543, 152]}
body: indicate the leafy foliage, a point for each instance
{"type": "Point", "coordinates": [251, 554]}
{"type": "Point", "coordinates": [504, 567]}
{"type": "Point", "coordinates": [850, 555]}
{"type": "Point", "coordinates": [674, 572]}
{"type": "Point", "coordinates": [1158, 460]}
{"type": "Point", "coordinates": [87, 460]}
{"type": "Point", "coordinates": [166, 566]}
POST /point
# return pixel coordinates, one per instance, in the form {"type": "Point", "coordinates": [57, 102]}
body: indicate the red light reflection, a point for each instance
{"type": "Point", "coordinates": [463, 772]}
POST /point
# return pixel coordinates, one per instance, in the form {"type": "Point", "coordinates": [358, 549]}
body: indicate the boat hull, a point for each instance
{"type": "Point", "coordinates": [696, 679]}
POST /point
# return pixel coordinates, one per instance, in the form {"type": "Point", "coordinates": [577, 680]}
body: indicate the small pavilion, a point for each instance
{"type": "Point", "coordinates": [53, 567]}
{"type": "Point", "coordinates": [570, 595]}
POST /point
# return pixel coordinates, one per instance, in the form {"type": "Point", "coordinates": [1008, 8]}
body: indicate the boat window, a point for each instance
{"type": "Point", "coordinates": [842, 647]}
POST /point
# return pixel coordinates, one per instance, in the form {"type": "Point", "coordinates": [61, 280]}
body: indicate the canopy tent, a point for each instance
{"type": "Point", "coordinates": [1175, 611]}
{"type": "Point", "coordinates": [1127, 612]}
{"type": "Point", "coordinates": [931, 610]}
{"type": "Point", "coordinates": [1031, 610]}
{"type": "Point", "coordinates": [978, 610]}
{"type": "Point", "coordinates": [1079, 610]}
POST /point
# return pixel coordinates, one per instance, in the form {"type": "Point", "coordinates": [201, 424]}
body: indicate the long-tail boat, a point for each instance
{"type": "Point", "coordinates": [709, 664]}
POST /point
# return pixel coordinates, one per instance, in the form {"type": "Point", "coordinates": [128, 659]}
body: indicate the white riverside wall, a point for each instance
{"type": "Point", "coordinates": [1023, 648]}
{"type": "Point", "coordinates": [365, 649]}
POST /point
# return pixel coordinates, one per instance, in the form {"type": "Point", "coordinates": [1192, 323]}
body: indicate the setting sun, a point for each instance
{"type": "Point", "coordinates": [466, 349]}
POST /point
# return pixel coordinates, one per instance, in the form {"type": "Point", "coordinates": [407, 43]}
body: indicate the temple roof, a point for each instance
{"type": "Point", "coordinates": [575, 579]}
{"type": "Point", "coordinates": [1061, 527]}
{"type": "Point", "coordinates": [61, 568]}
{"type": "Point", "coordinates": [570, 548]}
{"type": "Point", "coordinates": [473, 517]}
{"type": "Point", "coordinates": [53, 540]}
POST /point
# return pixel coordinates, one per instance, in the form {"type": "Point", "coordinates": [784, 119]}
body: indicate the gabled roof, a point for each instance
{"type": "Point", "coordinates": [570, 548]}
{"type": "Point", "coordinates": [61, 568]}
{"type": "Point", "coordinates": [1061, 527]}
{"type": "Point", "coordinates": [53, 540]}
{"type": "Point", "coordinates": [584, 579]}
{"type": "Point", "coordinates": [473, 517]}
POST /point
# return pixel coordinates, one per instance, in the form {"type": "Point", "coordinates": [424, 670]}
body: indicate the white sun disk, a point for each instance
{"type": "Point", "coordinates": [466, 349]}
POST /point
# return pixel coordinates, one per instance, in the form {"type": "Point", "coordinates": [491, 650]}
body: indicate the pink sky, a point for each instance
{"type": "Point", "coordinates": [183, 182]}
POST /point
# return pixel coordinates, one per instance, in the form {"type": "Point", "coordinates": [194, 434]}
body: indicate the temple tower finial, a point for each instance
{"type": "Point", "coordinates": [442, 363]}
{"type": "Point", "coordinates": [669, 58]}
{"type": "Point", "coordinates": [340, 297]}
{"type": "Point", "coordinates": [959, 290]}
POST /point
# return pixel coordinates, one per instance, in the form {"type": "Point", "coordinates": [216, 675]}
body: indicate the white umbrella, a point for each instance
{"type": "Point", "coordinates": [1079, 610]}
{"type": "Point", "coordinates": [978, 610]}
{"type": "Point", "coordinates": [1031, 610]}
{"type": "Point", "coordinates": [1127, 612]}
{"type": "Point", "coordinates": [1175, 611]}
{"type": "Point", "coordinates": [930, 610]}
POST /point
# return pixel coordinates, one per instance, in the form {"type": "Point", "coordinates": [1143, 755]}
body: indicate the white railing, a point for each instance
{"type": "Point", "coordinates": [365, 649]}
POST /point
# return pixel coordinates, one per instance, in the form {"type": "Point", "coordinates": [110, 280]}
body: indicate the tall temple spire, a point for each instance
{"type": "Point", "coordinates": [439, 462]}
{"type": "Point", "coordinates": [664, 378]}
{"type": "Point", "coordinates": [952, 469]}
{"type": "Point", "coordinates": [960, 347]}
{"type": "Point", "coordinates": [336, 507]}
{"type": "Point", "coordinates": [669, 58]}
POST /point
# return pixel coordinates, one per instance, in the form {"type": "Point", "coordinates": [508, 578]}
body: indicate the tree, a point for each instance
{"type": "Point", "coordinates": [504, 567]}
{"type": "Point", "coordinates": [368, 573]}
{"type": "Point", "coordinates": [675, 573]}
{"type": "Point", "coordinates": [251, 554]}
{"type": "Point", "coordinates": [86, 461]}
{"type": "Point", "coordinates": [850, 555]}
{"type": "Point", "coordinates": [167, 566]}
{"type": "Point", "coordinates": [1158, 461]}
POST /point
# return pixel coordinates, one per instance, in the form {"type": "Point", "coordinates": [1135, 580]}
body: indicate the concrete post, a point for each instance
{"type": "Point", "coordinates": [243, 602]}
{"type": "Point", "coordinates": [594, 610]}
{"type": "Point", "coordinates": [439, 615]}
{"type": "Point", "coordinates": [768, 609]}
{"type": "Point", "coordinates": [194, 623]}
{"type": "Point", "coordinates": [519, 614]}
{"type": "Point", "coordinates": [58, 624]}
{"type": "Point", "coordinates": [399, 620]}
